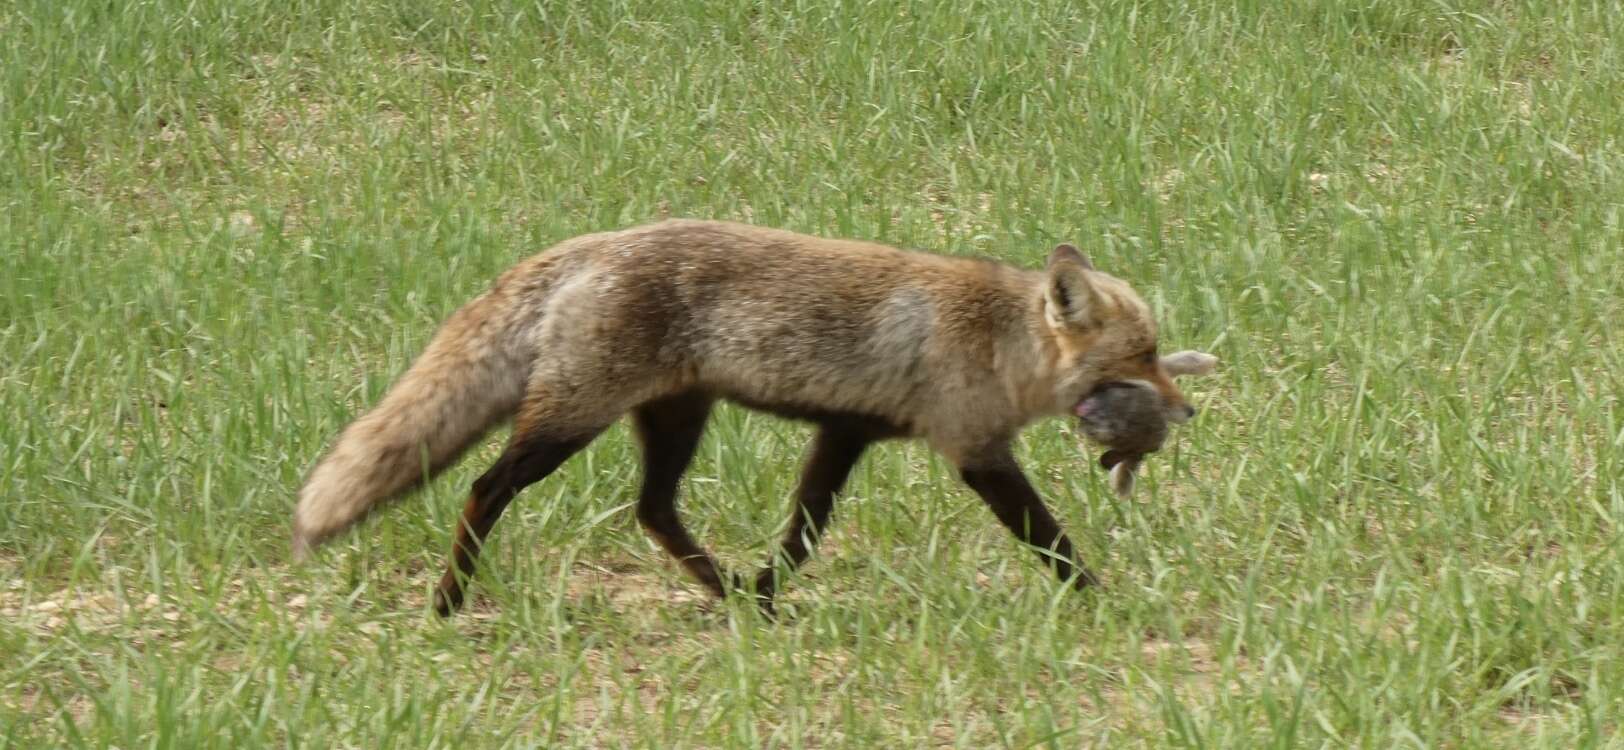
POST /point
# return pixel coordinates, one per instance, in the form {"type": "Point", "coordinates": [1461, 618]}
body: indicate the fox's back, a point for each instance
{"type": "Point", "coordinates": [773, 316]}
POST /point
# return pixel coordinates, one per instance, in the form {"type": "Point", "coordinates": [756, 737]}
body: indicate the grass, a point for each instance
{"type": "Point", "coordinates": [228, 225]}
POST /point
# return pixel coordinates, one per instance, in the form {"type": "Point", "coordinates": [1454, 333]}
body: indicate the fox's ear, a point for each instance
{"type": "Point", "coordinates": [1069, 252]}
{"type": "Point", "coordinates": [1070, 300]}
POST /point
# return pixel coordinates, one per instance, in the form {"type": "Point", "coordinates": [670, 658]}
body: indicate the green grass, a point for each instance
{"type": "Point", "coordinates": [227, 226]}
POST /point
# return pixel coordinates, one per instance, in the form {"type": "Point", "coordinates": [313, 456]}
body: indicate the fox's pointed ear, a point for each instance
{"type": "Point", "coordinates": [1070, 300]}
{"type": "Point", "coordinates": [1069, 252]}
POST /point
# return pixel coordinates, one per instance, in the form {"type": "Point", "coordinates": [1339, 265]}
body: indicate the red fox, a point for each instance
{"type": "Point", "coordinates": [865, 341]}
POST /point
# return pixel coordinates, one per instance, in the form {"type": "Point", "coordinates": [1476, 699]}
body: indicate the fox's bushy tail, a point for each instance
{"type": "Point", "coordinates": [470, 377]}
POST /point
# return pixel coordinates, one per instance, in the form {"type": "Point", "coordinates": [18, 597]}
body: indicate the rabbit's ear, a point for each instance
{"type": "Point", "coordinates": [1122, 478]}
{"type": "Point", "coordinates": [1189, 362]}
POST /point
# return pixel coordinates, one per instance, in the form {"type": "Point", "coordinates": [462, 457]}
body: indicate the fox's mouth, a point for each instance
{"type": "Point", "coordinates": [1087, 405]}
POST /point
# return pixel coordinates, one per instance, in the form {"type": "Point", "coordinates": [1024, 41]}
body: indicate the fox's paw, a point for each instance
{"type": "Point", "coordinates": [447, 600]}
{"type": "Point", "coordinates": [766, 587]}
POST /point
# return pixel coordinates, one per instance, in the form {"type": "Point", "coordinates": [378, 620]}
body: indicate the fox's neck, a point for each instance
{"type": "Point", "coordinates": [1031, 361]}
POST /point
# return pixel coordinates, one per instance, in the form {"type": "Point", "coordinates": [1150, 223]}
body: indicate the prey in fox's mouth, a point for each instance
{"type": "Point", "coordinates": [1131, 420]}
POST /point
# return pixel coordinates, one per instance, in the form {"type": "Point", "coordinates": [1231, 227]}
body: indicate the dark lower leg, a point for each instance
{"type": "Point", "coordinates": [1011, 498]}
{"type": "Point", "coordinates": [669, 430]}
{"type": "Point", "coordinates": [525, 462]}
{"type": "Point", "coordinates": [830, 461]}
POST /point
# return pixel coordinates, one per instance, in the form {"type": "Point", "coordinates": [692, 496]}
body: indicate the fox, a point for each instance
{"type": "Point", "coordinates": [864, 341]}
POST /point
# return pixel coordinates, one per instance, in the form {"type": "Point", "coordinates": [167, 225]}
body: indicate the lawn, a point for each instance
{"type": "Point", "coordinates": [227, 225]}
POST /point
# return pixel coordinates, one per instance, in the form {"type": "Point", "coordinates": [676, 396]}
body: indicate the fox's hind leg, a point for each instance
{"type": "Point", "coordinates": [542, 441]}
{"type": "Point", "coordinates": [834, 452]}
{"type": "Point", "coordinates": [669, 429]}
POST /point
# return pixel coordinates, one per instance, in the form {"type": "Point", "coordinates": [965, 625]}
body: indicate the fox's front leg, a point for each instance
{"type": "Point", "coordinates": [998, 479]}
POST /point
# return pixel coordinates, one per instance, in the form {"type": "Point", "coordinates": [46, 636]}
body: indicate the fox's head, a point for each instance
{"type": "Point", "coordinates": [1102, 333]}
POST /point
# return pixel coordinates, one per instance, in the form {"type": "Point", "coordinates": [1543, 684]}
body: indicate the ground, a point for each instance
{"type": "Point", "coordinates": [1396, 522]}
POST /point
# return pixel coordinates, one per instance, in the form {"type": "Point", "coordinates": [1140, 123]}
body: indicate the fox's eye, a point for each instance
{"type": "Point", "coordinates": [1149, 357]}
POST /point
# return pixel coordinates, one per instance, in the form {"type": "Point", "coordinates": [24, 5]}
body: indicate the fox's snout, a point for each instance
{"type": "Point", "coordinates": [1175, 409]}
{"type": "Point", "coordinates": [1178, 410]}
{"type": "Point", "coordinates": [1187, 362]}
